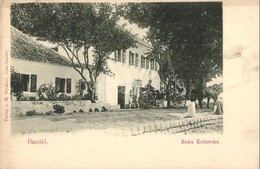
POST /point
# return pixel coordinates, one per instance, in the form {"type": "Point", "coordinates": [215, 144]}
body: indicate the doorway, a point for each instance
{"type": "Point", "coordinates": [121, 96]}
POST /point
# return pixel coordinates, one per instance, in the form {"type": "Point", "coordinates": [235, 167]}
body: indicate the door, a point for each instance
{"type": "Point", "coordinates": [121, 96]}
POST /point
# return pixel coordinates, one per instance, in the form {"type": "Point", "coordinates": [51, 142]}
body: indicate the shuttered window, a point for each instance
{"type": "Point", "coordinates": [33, 83]}
{"type": "Point", "coordinates": [136, 60]}
{"type": "Point", "coordinates": [115, 55]}
{"type": "Point", "coordinates": [142, 62]}
{"type": "Point", "coordinates": [25, 82]}
{"type": "Point", "coordinates": [152, 64]}
{"type": "Point", "coordinates": [68, 85]}
{"type": "Point", "coordinates": [119, 53]}
{"type": "Point", "coordinates": [147, 63]}
{"type": "Point", "coordinates": [61, 83]}
{"type": "Point", "coordinates": [57, 83]}
{"type": "Point", "coordinates": [124, 56]}
{"type": "Point", "coordinates": [131, 58]}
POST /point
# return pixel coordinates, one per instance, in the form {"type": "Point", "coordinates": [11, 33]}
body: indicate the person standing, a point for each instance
{"type": "Point", "coordinates": [218, 106]}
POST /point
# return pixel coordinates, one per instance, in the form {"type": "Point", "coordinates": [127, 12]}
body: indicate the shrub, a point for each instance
{"type": "Point", "coordinates": [22, 98]}
{"type": "Point", "coordinates": [64, 97]}
{"type": "Point", "coordinates": [59, 109]}
{"type": "Point", "coordinates": [32, 98]}
{"type": "Point", "coordinates": [16, 86]}
{"type": "Point", "coordinates": [81, 111]}
{"type": "Point", "coordinates": [104, 109]}
{"type": "Point", "coordinates": [49, 113]}
{"type": "Point", "coordinates": [76, 97]}
{"type": "Point", "coordinates": [86, 97]}
{"type": "Point", "coordinates": [31, 113]}
{"type": "Point", "coordinates": [47, 92]}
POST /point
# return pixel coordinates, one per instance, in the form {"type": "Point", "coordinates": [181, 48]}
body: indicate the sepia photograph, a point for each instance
{"type": "Point", "coordinates": [135, 68]}
{"type": "Point", "coordinates": [120, 84]}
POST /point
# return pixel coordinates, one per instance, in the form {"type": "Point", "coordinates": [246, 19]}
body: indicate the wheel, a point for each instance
{"type": "Point", "coordinates": [179, 101]}
{"type": "Point", "coordinates": [145, 101]}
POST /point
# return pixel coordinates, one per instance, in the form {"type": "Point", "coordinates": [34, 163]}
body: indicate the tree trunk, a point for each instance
{"type": "Point", "coordinates": [92, 91]}
{"type": "Point", "coordinates": [189, 89]}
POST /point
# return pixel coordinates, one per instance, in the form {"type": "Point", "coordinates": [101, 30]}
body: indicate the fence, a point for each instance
{"type": "Point", "coordinates": [170, 127]}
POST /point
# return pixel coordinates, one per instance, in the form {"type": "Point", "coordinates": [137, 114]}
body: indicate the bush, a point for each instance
{"type": "Point", "coordinates": [59, 109]}
{"type": "Point", "coordinates": [81, 111]}
{"type": "Point", "coordinates": [22, 98]}
{"type": "Point", "coordinates": [86, 97]}
{"type": "Point", "coordinates": [63, 97]}
{"type": "Point", "coordinates": [16, 86]}
{"type": "Point", "coordinates": [76, 97]}
{"type": "Point", "coordinates": [32, 98]}
{"type": "Point", "coordinates": [49, 113]}
{"type": "Point", "coordinates": [47, 92]}
{"type": "Point", "coordinates": [31, 113]}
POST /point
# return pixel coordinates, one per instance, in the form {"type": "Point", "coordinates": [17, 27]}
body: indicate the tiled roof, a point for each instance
{"type": "Point", "coordinates": [24, 47]}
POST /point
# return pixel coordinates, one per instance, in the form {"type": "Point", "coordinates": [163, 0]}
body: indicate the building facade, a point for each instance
{"type": "Point", "coordinates": [132, 71]}
{"type": "Point", "coordinates": [40, 65]}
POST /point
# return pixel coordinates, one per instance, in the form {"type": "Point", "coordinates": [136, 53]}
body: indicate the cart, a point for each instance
{"type": "Point", "coordinates": [149, 99]}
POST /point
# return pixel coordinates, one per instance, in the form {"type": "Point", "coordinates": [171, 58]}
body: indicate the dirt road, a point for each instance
{"type": "Point", "coordinates": [121, 119]}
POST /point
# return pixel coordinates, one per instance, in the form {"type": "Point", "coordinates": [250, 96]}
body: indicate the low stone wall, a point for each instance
{"type": "Point", "coordinates": [21, 107]}
{"type": "Point", "coordinates": [174, 127]}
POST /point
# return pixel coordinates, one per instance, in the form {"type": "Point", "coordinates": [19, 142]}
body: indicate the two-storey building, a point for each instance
{"type": "Point", "coordinates": [39, 65]}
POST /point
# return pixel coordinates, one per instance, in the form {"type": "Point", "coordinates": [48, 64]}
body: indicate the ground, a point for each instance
{"type": "Point", "coordinates": [120, 119]}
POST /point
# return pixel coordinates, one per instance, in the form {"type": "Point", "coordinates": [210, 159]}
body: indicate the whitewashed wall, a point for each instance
{"type": "Point", "coordinates": [125, 75]}
{"type": "Point", "coordinates": [46, 73]}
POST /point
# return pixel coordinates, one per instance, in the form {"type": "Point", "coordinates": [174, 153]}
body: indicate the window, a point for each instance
{"type": "Point", "coordinates": [62, 84]}
{"type": "Point", "coordinates": [68, 85]}
{"type": "Point", "coordinates": [142, 62]}
{"type": "Point", "coordinates": [33, 83]}
{"type": "Point", "coordinates": [152, 64]}
{"type": "Point", "coordinates": [124, 56]}
{"type": "Point", "coordinates": [118, 55]}
{"type": "Point", "coordinates": [29, 82]}
{"type": "Point", "coordinates": [136, 59]}
{"type": "Point", "coordinates": [25, 82]}
{"type": "Point", "coordinates": [147, 63]}
{"type": "Point", "coordinates": [156, 66]}
{"type": "Point", "coordinates": [115, 56]}
{"type": "Point", "coordinates": [131, 58]}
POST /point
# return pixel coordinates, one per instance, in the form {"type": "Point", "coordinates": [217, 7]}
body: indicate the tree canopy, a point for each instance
{"type": "Point", "coordinates": [187, 37]}
{"type": "Point", "coordinates": [75, 26]}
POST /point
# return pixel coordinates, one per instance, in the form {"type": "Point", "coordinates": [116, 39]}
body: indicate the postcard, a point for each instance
{"type": "Point", "coordinates": [118, 84]}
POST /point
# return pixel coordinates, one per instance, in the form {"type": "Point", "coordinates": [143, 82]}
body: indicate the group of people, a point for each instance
{"type": "Point", "coordinates": [174, 87]}
{"type": "Point", "coordinates": [180, 89]}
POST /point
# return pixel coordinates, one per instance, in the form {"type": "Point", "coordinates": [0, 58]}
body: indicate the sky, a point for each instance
{"type": "Point", "coordinates": [139, 32]}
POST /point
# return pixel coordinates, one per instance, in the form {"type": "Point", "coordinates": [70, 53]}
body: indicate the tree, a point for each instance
{"type": "Point", "coordinates": [16, 85]}
{"type": "Point", "coordinates": [76, 26]}
{"type": "Point", "coordinates": [187, 38]}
